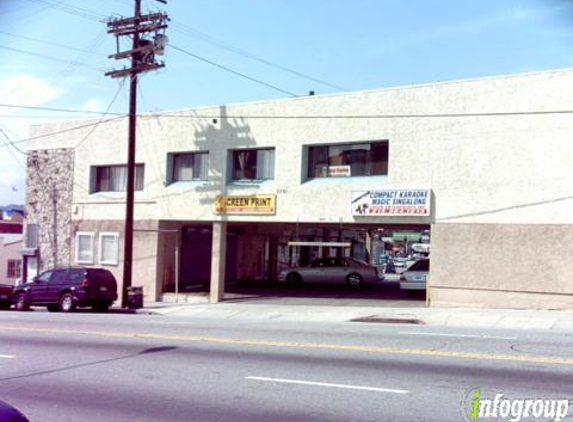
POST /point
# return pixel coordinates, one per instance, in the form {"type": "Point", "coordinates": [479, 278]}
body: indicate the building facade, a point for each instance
{"type": "Point", "coordinates": [480, 167]}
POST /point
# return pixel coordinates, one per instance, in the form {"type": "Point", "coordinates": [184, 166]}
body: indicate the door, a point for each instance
{"type": "Point", "coordinates": [57, 282]}
{"type": "Point", "coordinates": [37, 291]}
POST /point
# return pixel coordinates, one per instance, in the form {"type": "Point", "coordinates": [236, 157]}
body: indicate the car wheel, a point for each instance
{"type": "Point", "coordinates": [67, 303]}
{"type": "Point", "coordinates": [21, 302]}
{"type": "Point", "coordinates": [294, 278]}
{"type": "Point", "coordinates": [53, 308]}
{"type": "Point", "coordinates": [354, 280]}
{"type": "Point", "coordinates": [5, 306]}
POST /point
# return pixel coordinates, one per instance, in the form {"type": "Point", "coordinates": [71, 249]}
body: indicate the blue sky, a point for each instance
{"type": "Point", "coordinates": [339, 44]}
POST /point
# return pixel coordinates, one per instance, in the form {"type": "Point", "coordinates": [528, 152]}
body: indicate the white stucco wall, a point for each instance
{"type": "Point", "coordinates": [484, 168]}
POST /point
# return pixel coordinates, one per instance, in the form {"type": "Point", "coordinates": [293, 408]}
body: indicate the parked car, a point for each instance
{"type": "Point", "coordinates": [64, 289]}
{"type": "Point", "coordinates": [345, 270]}
{"type": "Point", "coordinates": [5, 296]}
{"type": "Point", "coordinates": [11, 414]}
{"type": "Point", "coordinates": [414, 278]}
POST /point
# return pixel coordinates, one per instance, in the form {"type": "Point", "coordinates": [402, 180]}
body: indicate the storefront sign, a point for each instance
{"type": "Point", "coordinates": [336, 171]}
{"type": "Point", "coordinates": [391, 202]}
{"type": "Point", "coordinates": [252, 204]}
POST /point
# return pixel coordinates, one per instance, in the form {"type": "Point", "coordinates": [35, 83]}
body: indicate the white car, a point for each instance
{"type": "Point", "coordinates": [351, 271]}
{"type": "Point", "coordinates": [414, 278]}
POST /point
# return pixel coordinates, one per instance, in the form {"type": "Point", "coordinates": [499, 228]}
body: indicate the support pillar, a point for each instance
{"type": "Point", "coordinates": [218, 253]}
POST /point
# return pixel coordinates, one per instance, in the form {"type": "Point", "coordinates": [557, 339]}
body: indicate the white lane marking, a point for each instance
{"type": "Point", "coordinates": [416, 333]}
{"type": "Point", "coordinates": [7, 356]}
{"type": "Point", "coordinates": [324, 384]}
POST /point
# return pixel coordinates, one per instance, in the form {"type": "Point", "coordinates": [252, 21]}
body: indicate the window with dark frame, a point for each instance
{"type": "Point", "coordinates": [114, 178]}
{"type": "Point", "coordinates": [31, 235]}
{"type": "Point", "coordinates": [14, 268]}
{"type": "Point", "coordinates": [189, 166]}
{"type": "Point", "coordinates": [253, 164]}
{"type": "Point", "coordinates": [353, 159]}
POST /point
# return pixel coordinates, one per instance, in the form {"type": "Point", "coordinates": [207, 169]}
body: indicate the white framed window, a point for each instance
{"type": "Point", "coordinates": [189, 166]}
{"type": "Point", "coordinates": [109, 248]}
{"type": "Point", "coordinates": [84, 248]}
{"type": "Point", "coordinates": [253, 164]}
{"type": "Point", "coordinates": [114, 178]}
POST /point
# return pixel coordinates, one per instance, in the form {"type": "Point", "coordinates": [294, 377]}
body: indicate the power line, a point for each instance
{"type": "Point", "coordinates": [42, 56]}
{"type": "Point", "coordinates": [232, 71]}
{"type": "Point", "coordinates": [73, 10]}
{"type": "Point", "coordinates": [71, 129]}
{"type": "Point", "coordinates": [306, 116]}
{"type": "Point", "coordinates": [221, 44]}
{"type": "Point", "coordinates": [121, 85]}
{"type": "Point", "coordinates": [361, 116]}
{"type": "Point", "coordinates": [68, 47]}
{"type": "Point", "coordinates": [64, 110]}
{"type": "Point", "coordinates": [11, 143]}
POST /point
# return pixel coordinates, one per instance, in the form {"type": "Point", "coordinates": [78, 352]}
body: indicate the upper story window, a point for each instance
{"type": "Point", "coordinates": [31, 235]}
{"type": "Point", "coordinates": [253, 164]}
{"type": "Point", "coordinates": [343, 160]}
{"type": "Point", "coordinates": [189, 166]}
{"type": "Point", "coordinates": [114, 178]}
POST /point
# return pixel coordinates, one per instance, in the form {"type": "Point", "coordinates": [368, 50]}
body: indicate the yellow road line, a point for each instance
{"type": "Point", "coordinates": [304, 345]}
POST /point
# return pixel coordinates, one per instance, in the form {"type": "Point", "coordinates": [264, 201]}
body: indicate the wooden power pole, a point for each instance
{"type": "Point", "coordinates": [148, 40]}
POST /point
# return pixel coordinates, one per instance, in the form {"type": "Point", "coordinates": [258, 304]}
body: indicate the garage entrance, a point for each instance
{"type": "Point", "coordinates": [256, 253]}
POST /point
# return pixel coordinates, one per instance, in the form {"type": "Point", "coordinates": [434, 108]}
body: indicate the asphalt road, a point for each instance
{"type": "Point", "coordinates": [105, 367]}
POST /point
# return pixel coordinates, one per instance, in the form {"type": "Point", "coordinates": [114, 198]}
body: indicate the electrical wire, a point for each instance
{"type": "Point", "coordinates": [64, 110]}
{"type": "Point", "coordinates": [54, 59]}
{"type": "Point", "coordinates": [70, 129]}
{"type": "Point", "coordinates": [67, 47]}
{"type": "Point", "coordinates": [73, 10]}
{"type": "Point", "coordinates": [203, 59]}
{"type": "Point", "coordinates": [121, 85]}
{"type": "Point", "coordinates": [187, 30]}
{"type": "Point", "coordinates": [306, 116]}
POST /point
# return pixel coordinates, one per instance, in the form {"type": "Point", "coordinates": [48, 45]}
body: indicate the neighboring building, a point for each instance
{"type": "Point", "coordinates": [10, 260]}
{"type": "Point", "coordinates": [243, 190]}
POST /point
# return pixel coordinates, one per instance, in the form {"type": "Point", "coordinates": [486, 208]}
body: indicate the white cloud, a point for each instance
{"type": "Point", "coordinates": [27, 90]}
{"type": "Point", "coordinates": [24, 90]}
{"type": "Point", "coordinates": [94, 104]}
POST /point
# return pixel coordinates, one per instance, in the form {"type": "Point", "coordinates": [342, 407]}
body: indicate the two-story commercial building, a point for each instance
{"type": "Point", "coordinates": [240, 191]}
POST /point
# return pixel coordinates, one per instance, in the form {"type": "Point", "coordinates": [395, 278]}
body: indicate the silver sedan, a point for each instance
{"type": "Point", "coordinates": [345, 270]}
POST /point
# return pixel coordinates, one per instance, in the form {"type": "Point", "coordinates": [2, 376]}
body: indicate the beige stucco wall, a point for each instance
{"type": "Point", "coordinates": [145, 241]}
{"type": "Point", "coordinates": [501, 265]}
{"type": "Point", "coordinates": [482, 169]}
{"type": "Point", "coordinates": [9, 249]}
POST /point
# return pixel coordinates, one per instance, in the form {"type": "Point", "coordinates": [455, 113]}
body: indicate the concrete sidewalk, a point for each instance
{"type": "Point", "coordinates": [341, 310]}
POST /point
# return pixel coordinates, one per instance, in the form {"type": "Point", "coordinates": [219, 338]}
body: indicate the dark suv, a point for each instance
{"type": "Point", "coordinates": [64, 289]}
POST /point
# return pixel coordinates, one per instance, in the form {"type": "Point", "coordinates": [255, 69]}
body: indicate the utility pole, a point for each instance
{"type": "Point", "coordinates": [148, 40]}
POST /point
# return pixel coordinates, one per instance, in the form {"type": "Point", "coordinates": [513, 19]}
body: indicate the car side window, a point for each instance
{"type": "Point", "coordinates": [59, 277]}
{"type": "Point", "coordinates": [44, 278]}
{"type": "Point", "coordinates": [74, 276]}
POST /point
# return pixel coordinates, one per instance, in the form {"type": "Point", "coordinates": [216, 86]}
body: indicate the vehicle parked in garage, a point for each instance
{"type": "Point", "coordinates": [64, 289]}
{"type": "Point", "coordinates": [415, 276]}
{"type": "Point", "coordinates": [324, 270]}
{"type": "Point", "coordinates": [5, 296]}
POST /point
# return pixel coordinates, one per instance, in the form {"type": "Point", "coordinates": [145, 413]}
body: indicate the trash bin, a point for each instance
{"type": "Point", "coordinates": [135, 297]}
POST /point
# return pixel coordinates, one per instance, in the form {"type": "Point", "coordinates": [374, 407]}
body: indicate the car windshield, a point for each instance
{"type": "Point", "coordinates": [423, 265]}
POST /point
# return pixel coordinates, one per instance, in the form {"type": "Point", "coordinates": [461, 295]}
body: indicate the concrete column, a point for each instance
{"type": "Point", "coordinates": [218, 252]}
